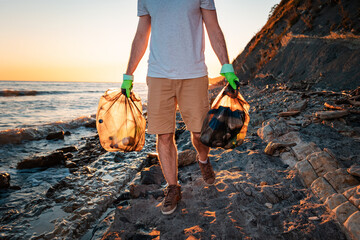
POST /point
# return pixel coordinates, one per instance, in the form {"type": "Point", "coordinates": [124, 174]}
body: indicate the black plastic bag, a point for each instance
{"type": "Point", "coordinates": [120, 123]}
{"type": "Point", "coordinates": [226, 123]}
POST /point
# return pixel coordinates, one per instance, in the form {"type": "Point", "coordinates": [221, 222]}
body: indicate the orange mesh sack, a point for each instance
{"type": "Point", "coordinates": [227, 121]}
{"type": "Point", "coordinates": [119, 122]}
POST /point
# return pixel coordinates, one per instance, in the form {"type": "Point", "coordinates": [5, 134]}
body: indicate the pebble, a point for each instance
{"type": "Point", "coordinates": [315, 218]}
{"type": "Point", "coordinates": [269, 205]}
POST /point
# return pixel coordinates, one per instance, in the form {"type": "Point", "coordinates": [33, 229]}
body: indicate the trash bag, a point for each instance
{"type": "Point", "coordinates": [226, 123]}
{"type": "Point", "coordinates": [119, 122]}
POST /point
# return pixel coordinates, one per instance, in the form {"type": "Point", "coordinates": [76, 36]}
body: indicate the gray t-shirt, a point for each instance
{"type": "Point", "coordinates": [177, 37]}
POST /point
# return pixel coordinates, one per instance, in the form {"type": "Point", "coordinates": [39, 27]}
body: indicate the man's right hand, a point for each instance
{"type": "Point", "coordinates": [127, 84]}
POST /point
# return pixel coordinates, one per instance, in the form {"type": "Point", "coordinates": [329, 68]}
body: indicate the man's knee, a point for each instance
{"type": "Point", "coordinates": [165, 139]}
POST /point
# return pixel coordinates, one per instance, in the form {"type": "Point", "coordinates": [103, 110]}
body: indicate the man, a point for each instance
{"type": "Point", "coordinates": [177, 74]}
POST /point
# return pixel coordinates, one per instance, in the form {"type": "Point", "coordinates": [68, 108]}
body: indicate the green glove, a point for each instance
{"type": "Point", "coordinates": [227, 71]}
{"type": "Point", "coordinates": [127, 84]}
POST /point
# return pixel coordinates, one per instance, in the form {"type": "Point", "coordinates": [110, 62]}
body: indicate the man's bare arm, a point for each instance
{"type": "Point", "coordinates": [139, 44]}
{"type": "Point", "coordinates": [216, 36]}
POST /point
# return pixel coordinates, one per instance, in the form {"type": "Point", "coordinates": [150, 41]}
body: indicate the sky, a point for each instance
{"type": "Point", "coordinates": [90, 40]}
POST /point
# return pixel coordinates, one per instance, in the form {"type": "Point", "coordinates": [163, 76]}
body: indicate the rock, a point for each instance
{"type": "Point", "coordinates": [288, 114]}
{"type": "Point", "coordinates": [306, 172]}
{"type": "Point", "coordinates": [354, 170]}
{"type": "Point", "coordinates": [315, 218]}
{"type": "Point", "coordinates": [335, 200]}
{"type": "Point", "coordinates": [68, 149]}
{"type": "Point", "coordinates": [322, 162]}
{"type": "Point", "coordinates": [152, 175]}
{"type": "Point", "coordinates": [55, 158]}
{"type": "Point", "coordinates": [353, 195]}
{"type": "Point", "coordinates": [274, 145]}
{"type": "Point", "coordinates": [55, 135]}
{"type": "Point", "coordinates": [90, 124]}
{"type": "Point", "coordinates": [269, 205]}
{"type": "Point", "coordinates": [70, 164]}
{"type": "Point", "coordinates": [340, 179]}
{"type": "Point", "coordinates": [186, 157]}
{"type": "Point", "coordinates": [266, 133]}
{"type": "Point", "coordinates": [331, 114]}
{"type": "Point", "coordinates": [352, 224]}
{"type": "Point", "coordinates": [272, 129]}
{"type": "Point", "coordinates": [4, 180]}
{"type": "Point", "coordinates": [288, 158]}
{"type": "Point", "coordinates": [343, 211]}
{"type": "Point", "coordinates": [137, 191]}
{"type": "Point", "coordinates": [67, 133]}
{"type": "Point", "coordinates": [298, 106]}
{"type": "Point", "coordinates": [293, 137]}
{"type": "Point", "coordinates": [263, 183]}
{"type": "Point", "coordinates": [301, 150]}
{"type": "Point", "coordinates": [322, 189]}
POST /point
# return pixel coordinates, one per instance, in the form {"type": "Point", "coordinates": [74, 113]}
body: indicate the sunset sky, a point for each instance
{"type": "Point", "coordinates": [90, 40]}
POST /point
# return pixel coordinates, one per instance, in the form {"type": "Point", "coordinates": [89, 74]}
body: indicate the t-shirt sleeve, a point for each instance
{"type": "Point", "coordinates": [142, 10]}
{"type": "Point", "coordinates": [207, 4]}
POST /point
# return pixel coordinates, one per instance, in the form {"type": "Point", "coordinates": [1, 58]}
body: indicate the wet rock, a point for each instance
{"type": "Point", "coordinates": [353, 195]}
{"type": "Point", "coordinates": [90, 124]}
{"type": "Point", "coordinates": [288, 114]}
{"type": "Point", "coordinates": [70, 164]}
{"type": "Point", "coordinates": [186, 157]}
{"type": "Point", "coordinates": [303, 149]}
{"type": "Point", "coordinates": [324, 115]}
{"type": "Point", "coordinates": [340, 179]}
{"type": "Point", "coordinates": [4, 180]}
{"type": "Point", "coordinates": [322, 162]}
{"type": "Point", "coordinates": [344, 210]}
{"type": "Point", "coordinates": [306, 172]}
{"type": "Point", "coordinates": [322, 189]}
{"type": "Point", "coordinates": [275, 145]}
{"type": "Point", "coordinates": [68, 149]}
{"type": "Point", "coordinates": [298, 106]}
{"type": "Point", "coordinates": [354, 170]}
{"type": "Point", "coordinates": [152, 175]}
{"type": "Point", "coordinates": [55, 158]}
{"type": "Point", "coordinates": [352, 224]}
{"type": "Point", "coordinates": [55, 135]}
{"type": "Point", "coordinates": [67, 133]}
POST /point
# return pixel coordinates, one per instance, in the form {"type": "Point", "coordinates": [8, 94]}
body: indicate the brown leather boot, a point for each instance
{"type": "Point", "coordinates": [207, 171]}
{"type": "Point", "coordinates": [172, 197]}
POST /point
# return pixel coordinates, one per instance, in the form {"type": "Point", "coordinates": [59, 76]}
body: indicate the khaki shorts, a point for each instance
{"type": "Point", "coordinates": [165, 94]}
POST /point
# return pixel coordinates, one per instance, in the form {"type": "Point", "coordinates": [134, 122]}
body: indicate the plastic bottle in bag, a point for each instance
{"type": "Point", "coordinates": [120, 123]}
{"type": "Point", "coordinates": [226, 123]}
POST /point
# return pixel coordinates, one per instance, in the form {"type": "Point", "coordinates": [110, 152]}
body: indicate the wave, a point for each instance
{"type": "Point", "coordinates": [18, 135]}
{"type": "Point", "coordinates": [17, 93]}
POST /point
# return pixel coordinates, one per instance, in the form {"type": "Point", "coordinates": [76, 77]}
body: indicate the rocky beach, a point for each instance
{"type": "Point", "coordinates": [296, 175]}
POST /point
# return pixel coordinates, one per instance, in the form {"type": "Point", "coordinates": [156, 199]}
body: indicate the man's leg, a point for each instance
{"type": "Point", "coordinates": [167, 151]}
{"type": "Point", "coordinates": [202, 149]}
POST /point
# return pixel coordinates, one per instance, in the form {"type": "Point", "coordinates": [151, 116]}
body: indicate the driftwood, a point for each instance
{"type": "Point", "coordinates": [288, 114]}
{"type": "Point", "coordinates": [331, 114]}
{"type": "Point", "coordinates": [274, 145]}
{"type": "Point", "coordinates": [327, 105]}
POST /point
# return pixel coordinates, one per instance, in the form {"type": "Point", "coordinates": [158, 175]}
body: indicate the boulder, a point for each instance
{"type": "Point", "coordinates": [290, 137]}
{"type": "Point", "coordinates": [354, 170]}
{"type": "Point", "coordinates": [288, 158]}
{"type": "Point", "coordinates": [340, 179]}
{"type": "Point", "coordinates": [353, 194]}
{"type": "Point", "coordinates": [55, 135]}
{"type": "Point", "coordinates": [152, 175]}
{"type": "Point", "coordinates": [55, 158]}
{"type": "Point", "coordinates": [186, 157]}
{"type": "Point", "coordinates": [303, 149]}
{"type": "Point", "coordinates": [68, 149]}
{"type": "Point", "coordinates": [352, 224]}
{"type": "Point", "coordinates": [335, 200]}
{"type": "Point", "coordinates": [272, 129]}
{"type": "Point", "coordinates": [344, 210]}
{"type": "Point", "coordinates": [4, 180]}
{"type": "Point", "coordinates": [306, 172]}
{"type": "Point", "coordinates": [274, 145]}
{"type": "Point", "coordinates": [298, 106]}
{"type": "Point", "coordinates": [322, 189]}
{"type": "Point", "coordinates": [322, 162]}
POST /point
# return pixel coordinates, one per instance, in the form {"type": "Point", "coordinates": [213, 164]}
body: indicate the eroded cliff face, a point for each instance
{"type": "Point", "coordinates": [306, 44]}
